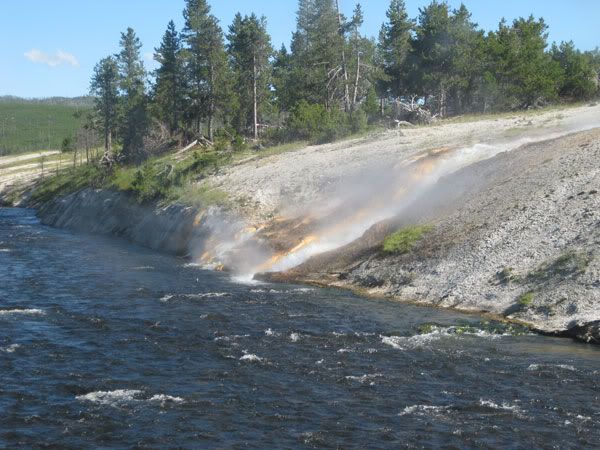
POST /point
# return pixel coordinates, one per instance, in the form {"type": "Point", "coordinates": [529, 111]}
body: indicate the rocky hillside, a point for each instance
{"type": "Point", "coordinates": [516, 235]}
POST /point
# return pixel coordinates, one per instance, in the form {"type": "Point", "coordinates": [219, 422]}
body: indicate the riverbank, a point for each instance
{"type": "Point", "coordinates": [515, 235]}
{"type": "Point", "coordinates": [512, 228]}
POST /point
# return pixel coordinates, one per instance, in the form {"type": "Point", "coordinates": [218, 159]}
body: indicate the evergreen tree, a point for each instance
{"type": "Point", "coordinates": [361, 65]}
{"type": "Point", "coordinates": [105, 89]}
{"type": "Point", "coordinates": [169, 86]}
{"type": "Point", "coordinates": [594, 58]}
{"type": "Point", "coordinates": [579, 78]}
{"type": "Point", "coordinates": [316, 66]}
{"type": "Point", "coordinates": [206, 63]}
{"type": "Point", "coordinates": [433, 54]}
{"type": "Point", "coordinates": [394, 48]}
{"type": "Point", "coordinates": [132, 83]}
{"type": "Point", "coordinates": [467, 47]}
{"type": "Point", "coordinates": [250, 50]}
{"type": "Point", "coordinates": [523, 72]}
{"type": "Point", "coordinates": [282, 69]}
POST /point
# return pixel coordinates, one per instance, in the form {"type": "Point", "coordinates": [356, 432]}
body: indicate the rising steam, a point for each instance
{"type": "Point", "coordinates": [379, 192]}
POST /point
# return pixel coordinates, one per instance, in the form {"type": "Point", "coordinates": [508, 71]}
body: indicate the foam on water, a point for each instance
{"type": "Point", "coordinates": [280, 291]}
{"type": "Point", "coordinates": [111, 398]}
{"type": "Point", "coordinates": [251, 358]}
{"type": "Point", "coordinates": [10, 349]}
{"type": "Point", "coordinates": [209, 295]}
{"type": "Point", "coordinates": [366, 378]}
{"type": "Point", "coordinates": [536, 367]}
{"type": "Point", "coordinates": [424, 410]}
{"type": "Point", "coordinates": [33, 312]}
{"type": "Point", "coordinates": [121, 397]}
{"type": "Point", "coordinates": [247, 278]}
{"type": "Point", "coordinates": [165, 399]}
{"type": "Point", "coordinates": [404, 343]}
{"type": "Point", "coordinates": [504, 406]}
{"type": "Point", "coordinates": [436, 334]}
{"type": "Point", "coordinates": [231, 338]}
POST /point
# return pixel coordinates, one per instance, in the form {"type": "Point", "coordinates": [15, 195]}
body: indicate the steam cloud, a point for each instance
{"type": "Point", "coordinates": [355, 204]}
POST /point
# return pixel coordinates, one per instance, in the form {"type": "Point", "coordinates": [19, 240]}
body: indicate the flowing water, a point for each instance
{"type": "Point", "coordinates": [104, 344]}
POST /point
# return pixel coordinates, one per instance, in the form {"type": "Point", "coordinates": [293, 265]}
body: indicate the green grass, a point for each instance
{"type": "Point", "coordinates": [199, 195]}
{"type": "Point", "coordinates": [167, 178]}
{"type": "Point", "coordinates": [405, 240]}
{"type": "Point", "coordinates": [68, 181]}
{"type": "Point", "coordinates": [26, 127]}
{"type": "Point", "coordinates": [526, 299]}
{"type": "Point", "coordinates": [476, 117]}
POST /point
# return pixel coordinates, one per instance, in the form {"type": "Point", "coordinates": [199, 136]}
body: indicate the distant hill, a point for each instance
{"type": "Point", "coordinates": [38, 124]}
{"type": "Point", "coordinates": [67, 101]}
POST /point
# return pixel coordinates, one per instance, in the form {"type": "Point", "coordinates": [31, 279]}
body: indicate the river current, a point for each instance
{"type": "Point", "coordinates": [105, 344]}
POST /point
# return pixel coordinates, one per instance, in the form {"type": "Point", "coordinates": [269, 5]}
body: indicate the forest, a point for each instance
{"type": "Point", "coordinates": [230, 88]}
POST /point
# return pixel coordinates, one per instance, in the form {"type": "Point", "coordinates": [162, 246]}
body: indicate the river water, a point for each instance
{"type": "Point", "coordinates": [105, 344]}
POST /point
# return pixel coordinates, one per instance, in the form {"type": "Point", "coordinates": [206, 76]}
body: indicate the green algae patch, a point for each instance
{"type": "Point", "coordinates": [484, 328]}
{"type": "Point", "coordinates": [526, 299]}
{"type": "Point", "coordinates": [405, 240]}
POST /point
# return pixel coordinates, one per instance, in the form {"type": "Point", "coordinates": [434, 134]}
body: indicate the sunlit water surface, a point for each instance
{"type": "Point", "coordinates": [105, 344]}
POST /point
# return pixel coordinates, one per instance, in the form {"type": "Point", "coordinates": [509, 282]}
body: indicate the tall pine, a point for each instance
{"type": "Point", "coordinates": [104, 88]}
{"type": "Point", "coordinates": [394, 48]}
{"type": "Point", "coordinates": [207, 68]}
{"type": "Point", "coordinates": [250, 49]}
{"type": "Point", "coordinates": [133, 79]}
{"type": "Point", "coordinates": [316, 74]}
{"type": "Point", "coordinates": [169, 85]}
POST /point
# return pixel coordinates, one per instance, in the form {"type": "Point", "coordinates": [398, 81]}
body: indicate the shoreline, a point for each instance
{"type": "Point", "coordinates": [502, 225]}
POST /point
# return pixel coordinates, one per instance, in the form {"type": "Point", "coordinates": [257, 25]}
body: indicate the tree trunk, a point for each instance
{"type": "Point", "coordinates": [442, 100]}
{"type": "Point", "coordinates": [255, 104]}
{"type": "Point", "coordinates": [344, 68]}
{"type": "Point", "coordinates": [107, 140]}
{"type": "Point", "coordinates": [211, 107]}
{"type": "Point", "coordinates": [357, 80]}
{"type": "Point", "coordinates": [87, 147]}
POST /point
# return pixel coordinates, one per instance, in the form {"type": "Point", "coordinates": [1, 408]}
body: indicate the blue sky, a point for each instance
{"type": "Point", "coordinates": [49, 48]}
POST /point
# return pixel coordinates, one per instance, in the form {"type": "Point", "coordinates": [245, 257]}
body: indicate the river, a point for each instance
{"type": "Point", "coordinates": [105, 344]}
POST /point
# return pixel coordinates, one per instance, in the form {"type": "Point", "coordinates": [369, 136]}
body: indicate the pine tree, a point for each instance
{"type": "Point", "coordinates": [433, 54]}
{"type": "Point", "coordinates": [105, 89]}
{"type": "Point", "coordinates": [250, 50]}
{"type": "Point", "coordinates": [361, 64]}
{"type": "Point", "coordinates": [132, 83]}
{"type": "Point", "coordinates": [169, 86]}
{"type": "Point", "coordinates": [282, 69]}
{"type": "Point", "coordinates": [521, 69]}
{"type": "Point", "coordinates": [394, 49]}
{"type": "Point", "coordinates": [208, 74]}
{"type": "Point", "coordinates": [316, 63]}
{"type": "Point", "coordinates": [467, 54]}
{"type": "Point", "coordinates": [579, 77]}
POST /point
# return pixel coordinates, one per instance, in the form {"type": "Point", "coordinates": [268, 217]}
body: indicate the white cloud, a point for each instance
{"type": "Point", "coordinates": [39, 57]}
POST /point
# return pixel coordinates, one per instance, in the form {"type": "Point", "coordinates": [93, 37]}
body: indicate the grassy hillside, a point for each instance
{"type": "Point", "coordinates": [30, 126]}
